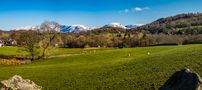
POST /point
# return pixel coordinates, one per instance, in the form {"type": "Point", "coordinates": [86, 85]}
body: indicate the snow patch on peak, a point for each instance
{"type": "Point", "coordinates": [74, 28]}
{"type": "Point", "coordinates": [119, 25]}
{"type": "Point", "coordinates": [133, 26]}
{"type": "Point", "coordinates": [26, 28]}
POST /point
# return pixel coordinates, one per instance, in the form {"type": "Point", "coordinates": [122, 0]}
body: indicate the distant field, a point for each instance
{"type": "Point", "coordinates": [50, 52]}
{"type": "Point", "coordinates": [11, 51]}
{"type": "Point", "coordinates": [108, 68]}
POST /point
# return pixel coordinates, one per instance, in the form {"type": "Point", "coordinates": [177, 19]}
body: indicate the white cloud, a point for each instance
{"type": "Point", "coordinates": [136, 9]}
{"type": "Point", "coordinates": [124, 11]}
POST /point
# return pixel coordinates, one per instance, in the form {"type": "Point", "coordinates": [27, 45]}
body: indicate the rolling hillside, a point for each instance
{"type": "Point", "coordinates": [129, 68]}
{"type": "Point", "coordinates": [171, 25]}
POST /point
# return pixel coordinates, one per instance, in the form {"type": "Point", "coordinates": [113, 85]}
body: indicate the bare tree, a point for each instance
{"type": "Point", "coordinates": [30, 40]}
{"type": "Point", "coordinates": [49, 31]}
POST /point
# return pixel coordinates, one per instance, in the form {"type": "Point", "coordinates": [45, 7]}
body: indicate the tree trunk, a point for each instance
{"type": "Point", "coordinates": [32, 58]}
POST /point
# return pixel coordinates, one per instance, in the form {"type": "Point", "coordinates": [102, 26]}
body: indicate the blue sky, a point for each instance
{"type": "Point", "coordinates": [17, 13]}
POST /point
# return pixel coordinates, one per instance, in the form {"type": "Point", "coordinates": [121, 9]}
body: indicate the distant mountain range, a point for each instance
{"type": "Point", "coordinates": [26, 28]}
{"type": "Point", "coordinates": [79, 28]}
{"type": "Point", "coordinates": [119, 25]}
{"type": "Point", "coordinates": [182, 23]}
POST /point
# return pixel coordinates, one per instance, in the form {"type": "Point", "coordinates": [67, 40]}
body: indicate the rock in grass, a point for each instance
{"type": "Point", "coordinates": [18, 83]}
{"type": "Point", "coordinates": [183, 80]}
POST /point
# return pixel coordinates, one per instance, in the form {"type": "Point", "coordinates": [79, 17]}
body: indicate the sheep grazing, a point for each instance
{"type": "Point", "coordinates": [148, 53]}
{"type": "Point", "coordinates": [129, 54]}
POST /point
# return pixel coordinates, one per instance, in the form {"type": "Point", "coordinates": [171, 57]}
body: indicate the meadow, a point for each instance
{"type": "Point", "coordinates": [107, 68]}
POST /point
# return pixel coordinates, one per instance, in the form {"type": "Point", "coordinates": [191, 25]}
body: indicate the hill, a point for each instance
{"type": "Point", "coordinates": [110, 68]}
{"type": "Point", "coordinates": [180, 24]}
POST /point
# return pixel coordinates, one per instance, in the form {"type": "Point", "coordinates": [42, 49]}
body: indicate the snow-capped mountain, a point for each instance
{"type": "Point", "coordinates": [63, 28]}
{"type": "Point", "coordinates": [78, 28]}
{"type": "Point", "coordinates": [133, 26]}
{"type": "Point", "coordinates": [26, 28]}
{"type": "Point", "coordinates": [73, 28]}
{"type": "Point", "coordinates": [119, 25]}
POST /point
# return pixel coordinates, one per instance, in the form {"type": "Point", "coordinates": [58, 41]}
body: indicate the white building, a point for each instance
{"type": "Point", "coordinates": [1, 43]}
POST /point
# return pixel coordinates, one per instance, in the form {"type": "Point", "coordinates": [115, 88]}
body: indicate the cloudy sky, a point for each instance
{"type": "Point", "coordinates": [93, 13]}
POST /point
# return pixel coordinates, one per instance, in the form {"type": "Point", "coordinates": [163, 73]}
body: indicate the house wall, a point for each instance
{"type": "Point", "coordinates": [1, 45]}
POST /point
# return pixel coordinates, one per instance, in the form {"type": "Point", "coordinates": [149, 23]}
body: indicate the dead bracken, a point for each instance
{"type": "Point", "coordinates": [12, 62]}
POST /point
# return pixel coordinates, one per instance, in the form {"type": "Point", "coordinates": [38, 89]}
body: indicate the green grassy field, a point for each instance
{"type": "Point", "coordinates": [109, 68]}
{"type": "Point", "coordinates": [11, 51]}
{"type": "Point", "coordinates": [50, 52]}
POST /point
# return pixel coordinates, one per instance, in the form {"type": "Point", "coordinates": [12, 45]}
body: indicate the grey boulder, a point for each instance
{"type": "Point", "coordinates": [183, 80]}
{"type": "Point", "coordinates": [18, 83]}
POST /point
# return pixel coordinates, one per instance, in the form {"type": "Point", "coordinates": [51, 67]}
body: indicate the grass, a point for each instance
{"type": "Point", "coordinates": [11, 51]}
{"type": "Point", "coordinates": [53, 51]}
{"type": "Point", "coordinates": [110, 68]}
{"type": "Point", "coordinates": [192, 27]}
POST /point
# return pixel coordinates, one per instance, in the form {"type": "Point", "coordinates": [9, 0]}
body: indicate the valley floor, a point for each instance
{"type": "Point", "coordinates": [118, 69]}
